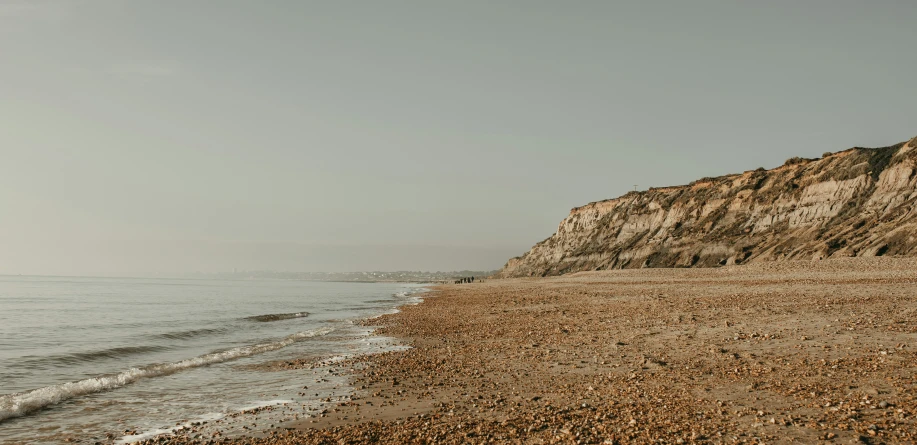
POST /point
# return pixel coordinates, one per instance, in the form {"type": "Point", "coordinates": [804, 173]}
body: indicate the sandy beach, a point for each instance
{"type": "Point", "coordinates": [771, 353]}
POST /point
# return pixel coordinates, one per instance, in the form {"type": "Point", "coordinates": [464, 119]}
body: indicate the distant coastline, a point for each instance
{"type": "Point", "coordinates": [350, 277]}
{"type": "Point", "coordinates": [330, 277]}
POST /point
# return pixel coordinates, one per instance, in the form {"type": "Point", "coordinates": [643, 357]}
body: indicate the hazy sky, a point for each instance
{"type": "Point", "coordinates": [141, 137]}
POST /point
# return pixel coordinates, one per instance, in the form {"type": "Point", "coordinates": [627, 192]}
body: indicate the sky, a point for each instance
{"type": "Point", "coordinates": [163, 137]}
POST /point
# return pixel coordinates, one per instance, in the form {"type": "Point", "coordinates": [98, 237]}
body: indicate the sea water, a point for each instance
{"type": "Point", "coordinates": [116, 360]}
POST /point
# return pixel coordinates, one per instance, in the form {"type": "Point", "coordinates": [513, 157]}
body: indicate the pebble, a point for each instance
{"type": "Point", "coordinates": [515, 361]}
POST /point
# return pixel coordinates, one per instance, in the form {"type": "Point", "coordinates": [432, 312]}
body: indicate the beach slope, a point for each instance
{"type": "Point", "coordinates": [773, 352]}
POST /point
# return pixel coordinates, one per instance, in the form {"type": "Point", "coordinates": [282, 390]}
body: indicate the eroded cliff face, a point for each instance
{"type": "Point", "coordinates": [858, 202]}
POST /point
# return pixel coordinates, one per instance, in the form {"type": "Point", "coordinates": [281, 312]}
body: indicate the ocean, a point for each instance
{"type": "Point", "coordinates": [118, 360]}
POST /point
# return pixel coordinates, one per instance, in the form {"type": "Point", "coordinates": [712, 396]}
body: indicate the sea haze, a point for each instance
{"type": "Point", "coordinates": [89, 357]}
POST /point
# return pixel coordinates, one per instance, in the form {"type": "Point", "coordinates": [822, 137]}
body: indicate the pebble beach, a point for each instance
{"type": "Point", "coordinates": [793, 352]}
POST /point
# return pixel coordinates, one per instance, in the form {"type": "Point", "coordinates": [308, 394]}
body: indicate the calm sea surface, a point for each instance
{"type": "Point", "coordinates": [122, 359]}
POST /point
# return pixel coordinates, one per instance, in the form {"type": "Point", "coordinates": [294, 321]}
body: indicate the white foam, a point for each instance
{"type": "Point", "coordinates": [149, 434]}
{"type": "Point", "coordinates": [15, 405]}
{"type": "Point", "coordinates": [158, 432]}
{"type": "Point", "coordinates": [410, 296]}
{"type": "Point", "coordinates": [262, 404]}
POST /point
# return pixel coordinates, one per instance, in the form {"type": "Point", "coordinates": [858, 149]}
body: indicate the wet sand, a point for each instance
{"type": "Point", "coordinates": [774, 353]}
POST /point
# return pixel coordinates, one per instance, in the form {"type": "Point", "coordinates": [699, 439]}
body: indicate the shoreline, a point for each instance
{"type": "Point", "coordinates": [777, 352]}
{"type": "Point", "coordinates": [284, 370]}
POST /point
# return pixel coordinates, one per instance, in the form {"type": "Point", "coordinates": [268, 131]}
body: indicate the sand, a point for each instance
{"type": "Point", "coordinates": [773, 353]}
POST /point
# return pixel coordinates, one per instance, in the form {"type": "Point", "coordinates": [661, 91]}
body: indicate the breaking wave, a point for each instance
{"type": "Point", "coordinates": [19, 404]}
{"type": "Point", "coordinates": [277, 317]}
{"type": "Point", "coordinates": [183, 335]}
{"type": "Point", "coordinates": [89, 356]}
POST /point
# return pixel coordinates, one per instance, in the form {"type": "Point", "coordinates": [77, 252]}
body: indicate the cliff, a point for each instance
{"type": "Point", "coordinates": [858, 202]}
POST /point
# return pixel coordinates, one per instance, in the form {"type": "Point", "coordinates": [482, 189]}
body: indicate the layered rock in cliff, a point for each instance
{"type": "Point", "coordinates": [858, 202]}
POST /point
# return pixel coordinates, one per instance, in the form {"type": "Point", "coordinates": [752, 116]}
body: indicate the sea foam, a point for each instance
{"type": "Point", "coordinates": [19, 404]}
